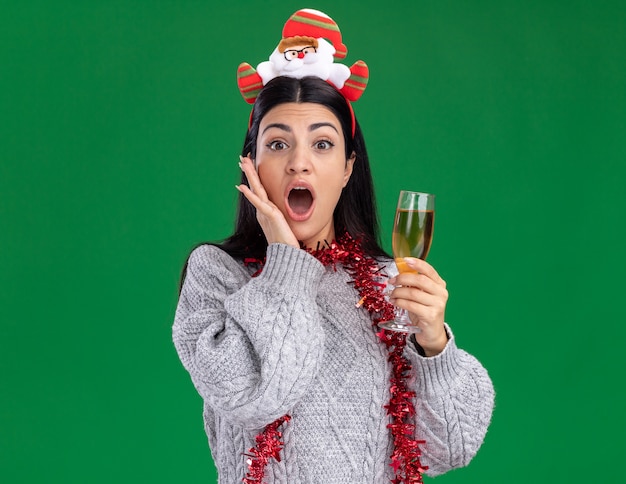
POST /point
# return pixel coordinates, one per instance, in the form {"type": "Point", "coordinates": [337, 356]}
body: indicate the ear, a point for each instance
{"type": "Point", "coordinates": [348, 170]}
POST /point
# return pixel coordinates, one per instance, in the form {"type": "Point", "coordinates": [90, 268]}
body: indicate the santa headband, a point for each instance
{"type": "Point", "coordinates": [310, 42]}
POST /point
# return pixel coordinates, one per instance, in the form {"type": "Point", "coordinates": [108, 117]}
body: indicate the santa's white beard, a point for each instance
{"type": "Point", "coordinates": [314, 64]}
{"type": "Point", "coordinates": [319, 64]}
{"type": "Point", "coordinates": [311, 65]}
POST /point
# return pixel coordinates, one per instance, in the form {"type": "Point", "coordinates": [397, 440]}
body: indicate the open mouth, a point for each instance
{"type": "Point", "coordinates": [300, 203]}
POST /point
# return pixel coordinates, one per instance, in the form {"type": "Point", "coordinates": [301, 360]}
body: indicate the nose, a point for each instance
{"type": "Point", "coordinates": [300, 55]}
{"type": "Point", "coordinates": [299, 162]}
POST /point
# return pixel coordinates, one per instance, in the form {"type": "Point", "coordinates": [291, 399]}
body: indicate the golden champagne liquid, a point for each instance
{"type": "Point", "coordinates": [412, 235]}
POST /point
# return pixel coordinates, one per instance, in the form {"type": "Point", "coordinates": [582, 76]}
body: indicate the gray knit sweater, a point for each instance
{"type": "Point", "coordinates": [292, 341]}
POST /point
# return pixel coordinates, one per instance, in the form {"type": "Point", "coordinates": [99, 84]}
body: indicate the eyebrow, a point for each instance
{"type": "Point", "coordinates": [282, 126]}
{"type": "Point", "coordinates": [313, 127]}
{"type": "Point", "coordinates": [320, 125]}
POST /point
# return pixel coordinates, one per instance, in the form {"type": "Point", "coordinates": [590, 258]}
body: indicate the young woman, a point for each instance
{"type": "Point", "coordinates": [276, 325]}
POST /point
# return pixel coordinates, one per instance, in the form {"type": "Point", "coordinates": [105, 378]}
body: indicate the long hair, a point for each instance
{"type": "Point", "coordinates": [355, 212]}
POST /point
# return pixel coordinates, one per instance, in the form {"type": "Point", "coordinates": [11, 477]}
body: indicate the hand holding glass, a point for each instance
{"type": "Point", "coordinates": [412, 236]}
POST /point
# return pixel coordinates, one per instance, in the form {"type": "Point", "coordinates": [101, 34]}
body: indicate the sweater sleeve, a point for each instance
{"type": "Point", "coordinates": [251, 345]}
{"type": "Point", "coordinates": [455, 399]}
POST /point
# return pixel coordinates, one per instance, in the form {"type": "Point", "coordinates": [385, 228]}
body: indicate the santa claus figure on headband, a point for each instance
{"type": "Point", "coordinates": [310, 42]}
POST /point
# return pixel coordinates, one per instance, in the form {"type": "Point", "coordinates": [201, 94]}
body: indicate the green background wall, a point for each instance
{"type": "Point", "coordinates": [120, 125]}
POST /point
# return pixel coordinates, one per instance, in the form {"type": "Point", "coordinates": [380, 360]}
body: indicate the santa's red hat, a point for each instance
{"type": "Point", "coordinates": [313, 23]}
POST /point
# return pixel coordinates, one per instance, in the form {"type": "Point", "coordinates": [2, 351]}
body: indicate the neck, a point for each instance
{"type": "Point", "coordinates": [320, 240]}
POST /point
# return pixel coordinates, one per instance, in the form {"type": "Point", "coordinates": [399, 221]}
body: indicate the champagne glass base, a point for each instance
{"type": "Point", "coordinates": [399, 327]}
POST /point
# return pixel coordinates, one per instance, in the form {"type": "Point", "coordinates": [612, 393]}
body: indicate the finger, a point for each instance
{"type": "Point", "coordinates": [417, 296]}
{"type": "Point", "coordinates": [262, 206]}
{"type": "Point", "coordinates": [423, 267]}
{"type": "Point", "coordinates": [427, 314]}
{"type": "Point", "coordinates": [254, 181]}
{"type": "Point", "coordinates": [420, 281]}
{"type": "Point", "coordinates": [247, 167]}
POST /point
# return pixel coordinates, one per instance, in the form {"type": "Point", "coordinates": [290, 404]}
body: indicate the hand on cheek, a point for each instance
{"type": "Point", "coordinates": [271, 219]}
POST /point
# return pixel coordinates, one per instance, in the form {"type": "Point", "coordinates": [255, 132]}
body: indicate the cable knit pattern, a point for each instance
{"type": "Point", "coordinates": [457, 401]}
{"type": "Point", "coordinates": [292, 341]}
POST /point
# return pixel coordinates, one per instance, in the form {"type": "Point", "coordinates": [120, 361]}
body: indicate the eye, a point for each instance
{"type": "Point", "coordinates": [309, 50]}
{"type": "Point", "coordinates": [324, 145]}
{"type": "Point", "coordinates": [277, 145]}
{"type": "Point", "coordinates": [291, 54]}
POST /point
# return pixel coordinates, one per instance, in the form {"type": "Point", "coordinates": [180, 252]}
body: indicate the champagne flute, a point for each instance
{"type": "Point", "coordinates": [412, 236]}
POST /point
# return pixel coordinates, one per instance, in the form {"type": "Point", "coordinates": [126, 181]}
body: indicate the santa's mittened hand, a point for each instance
{"type": "Point", "coordinates": [249, 82]}
{"type": "Point", "coordinates": [357, 82]}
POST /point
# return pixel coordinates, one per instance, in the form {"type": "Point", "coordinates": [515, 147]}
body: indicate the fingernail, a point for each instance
{"type": "Point", "coordinates": [410, 261]}
{"type": "Point", "coordinates": [240, 158]}
{"type": "Point", "coordinates": [240, 166]}
{"type": "Point", "coordinates": [237, 187]}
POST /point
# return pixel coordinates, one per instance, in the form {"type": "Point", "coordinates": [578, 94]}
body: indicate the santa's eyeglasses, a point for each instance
{"type": "Point", "coordinates": [291, 54]}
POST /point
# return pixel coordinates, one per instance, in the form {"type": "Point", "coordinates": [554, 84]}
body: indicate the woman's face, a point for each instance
{"type": "Point", "coordinates": [301, 162]}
